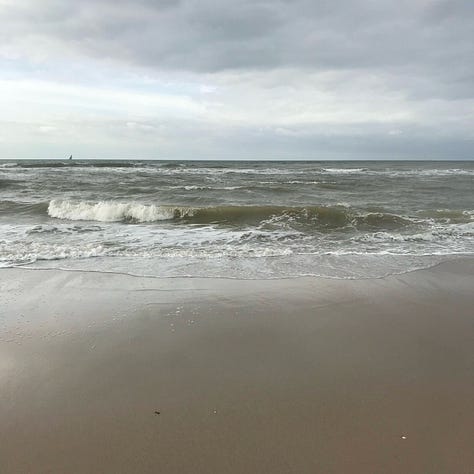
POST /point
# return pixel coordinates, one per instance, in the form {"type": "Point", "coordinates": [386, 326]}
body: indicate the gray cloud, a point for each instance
{"type": "Point", "coordinates": [401, 71]}
{"type": "Point", "coordinates": [416, 36]}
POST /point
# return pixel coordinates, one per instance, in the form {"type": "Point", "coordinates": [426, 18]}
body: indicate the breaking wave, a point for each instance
{"type": "Point", "coordinates": [111, 211]}
{"type": "Point", "coordinates": [135, 212]}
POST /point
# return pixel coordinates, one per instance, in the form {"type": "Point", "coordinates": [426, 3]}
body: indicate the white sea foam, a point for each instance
{"type": "Point", "coordinates": [456, 235]}
{"type": "Point", "coordinates": [344, 170]}
{"type": "Point", "coordinates": [395, 173]}
{"type": "Point", "coordinates": [389, 172]}
{"type": "Point", "coordinates": [433, 173]}
{"type": "Point", "coordinates": [112, 211]}
{"type": "Point", "coordinates": [206, 188]}
{"type": "Point", "coordinates": [225, 171]}
{"type": "Point", "coordinates": [18, 253]}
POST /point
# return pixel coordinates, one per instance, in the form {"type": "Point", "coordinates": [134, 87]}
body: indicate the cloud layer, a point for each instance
{"type": "Point", "coordinates": [241, 79]}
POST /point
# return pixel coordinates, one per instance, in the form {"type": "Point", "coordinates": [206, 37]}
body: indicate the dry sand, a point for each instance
{"type": "Point", "coordinates": [290, 376]}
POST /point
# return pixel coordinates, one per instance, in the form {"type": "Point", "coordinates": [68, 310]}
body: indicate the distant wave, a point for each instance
{"type": "Point", "coordinates": [72, 164]}
{"type": "Point", "coordinates": [433, 172]}
{"type": "Point", "coordinates": [344, 170]}
{"type": "Point", "coordinates": [206, 188]}
{"type": "Point", "coordinates": [171, 168]}
{"type": "Point", "coordinates": [173, 165]}
{"type": "Point", "coordinates": [395, 173]}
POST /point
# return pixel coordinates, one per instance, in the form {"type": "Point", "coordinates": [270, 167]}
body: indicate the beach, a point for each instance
{"type": "Point", "coordinates": [236, 237]}
{"type": "Point", "coordinates": [108, 372]}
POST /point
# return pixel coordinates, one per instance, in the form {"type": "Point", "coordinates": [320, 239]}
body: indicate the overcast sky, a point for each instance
{"type": "Point", "coordinates": [201, 79]}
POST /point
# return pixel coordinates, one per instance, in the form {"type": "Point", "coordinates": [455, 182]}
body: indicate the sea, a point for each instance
{"type": "Point", "coordinates": [252, 220]}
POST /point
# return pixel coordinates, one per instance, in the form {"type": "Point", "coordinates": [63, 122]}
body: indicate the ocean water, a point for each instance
{"type": "Point", "coordinates": [235, 219]}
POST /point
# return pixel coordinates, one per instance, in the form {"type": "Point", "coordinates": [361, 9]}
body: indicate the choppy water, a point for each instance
{"type": "Point", "coordinates": [242, 220]}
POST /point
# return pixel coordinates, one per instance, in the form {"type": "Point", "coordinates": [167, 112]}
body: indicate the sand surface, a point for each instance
{"type": "Point", "coordinates": [291, 376]}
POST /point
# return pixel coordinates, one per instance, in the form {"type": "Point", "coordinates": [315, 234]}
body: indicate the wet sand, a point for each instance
{"type": "Point", "coordinates": [108, 373]}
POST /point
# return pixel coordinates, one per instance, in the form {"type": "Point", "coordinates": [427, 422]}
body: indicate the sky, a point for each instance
{"type": "Point", "coordinates": [221, 79]}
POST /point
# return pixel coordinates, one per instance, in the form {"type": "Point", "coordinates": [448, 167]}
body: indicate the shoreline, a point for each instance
{"type": "Point", "coordinates": [443, 259]}
{"type": "Point", "coordinates": [307, 374]}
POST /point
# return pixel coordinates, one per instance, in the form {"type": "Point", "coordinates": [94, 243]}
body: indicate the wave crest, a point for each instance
{"type": "Point", "coordinates": [317, 217]}
{"type": "Point", "coordinates": [111, 211]}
